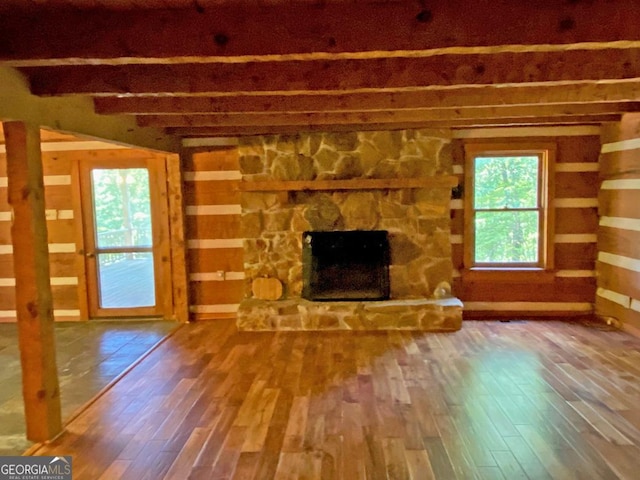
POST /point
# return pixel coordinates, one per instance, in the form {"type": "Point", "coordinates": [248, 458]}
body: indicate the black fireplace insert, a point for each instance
{"type": "Point", "coordinates": [345, 265]}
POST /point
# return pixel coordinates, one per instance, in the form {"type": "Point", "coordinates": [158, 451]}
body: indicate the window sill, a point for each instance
{"type": "Point", "coordinates": [508, 275]}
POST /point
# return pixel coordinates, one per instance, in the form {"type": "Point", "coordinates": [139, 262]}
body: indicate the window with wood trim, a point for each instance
{"type": "Point", "coordinates": [508, 214]}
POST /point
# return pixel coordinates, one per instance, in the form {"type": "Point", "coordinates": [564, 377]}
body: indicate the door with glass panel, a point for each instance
{"type": "Point", "coordinates": [120, 239]}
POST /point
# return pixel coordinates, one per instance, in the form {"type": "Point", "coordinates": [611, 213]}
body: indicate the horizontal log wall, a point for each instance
{"type": "Point", "coordinates": [618, 265]}
{"type": "Point", "coordinates": [215, 259]}
{"type": "Point", "coordinates": [61, 230]}
{"type": "Point", "coordinates": [214, 242]}
{"type": "Point", "coordinates": [568, 290]}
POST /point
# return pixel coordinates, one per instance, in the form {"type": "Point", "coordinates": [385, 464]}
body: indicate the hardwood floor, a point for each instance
{"type": "Point", "coordinates": [495, 400]}
{"type": "Point", "coordinates": [90, 355]}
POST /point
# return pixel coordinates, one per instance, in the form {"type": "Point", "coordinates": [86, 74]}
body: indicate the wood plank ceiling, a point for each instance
{"type": "Point", "coordinates": [223, 68]}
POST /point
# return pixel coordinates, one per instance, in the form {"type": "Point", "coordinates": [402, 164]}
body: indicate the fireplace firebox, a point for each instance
{"type": "Point", "coordinates": [345, 265]}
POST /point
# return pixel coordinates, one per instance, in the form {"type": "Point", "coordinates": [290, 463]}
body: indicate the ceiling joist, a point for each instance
{"type": "Point", "coordinates": [391, 74]}
{"type": "Point", "coordinates": [227, 131]}
{"type": "Point", "coordinates": [337, 101]}
{"type": "Point", "coordinates": [386, 116]}
{"type": "Point", "coordinates": [247, 32]}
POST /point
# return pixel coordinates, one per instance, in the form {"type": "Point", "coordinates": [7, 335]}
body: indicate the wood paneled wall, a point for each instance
{"type": "Point", "coordinates": [570, 288]}
{"type": "Point", "coordinates": [215, 262]}
{"type": "Point", "coordinates": [57, 168]}
{"type": "Point", "coordinates": [618, 266]}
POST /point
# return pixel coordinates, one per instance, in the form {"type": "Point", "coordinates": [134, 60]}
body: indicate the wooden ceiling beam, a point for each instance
{"type": "Point", "coordinates": [233, 131]}
{"type": "Point", "coordinates": [250, 31]}
{"type": "Point", "coordinates": [188, 132]}
{"type": "Point", "coordinates": [339, 75]}
{"type": "Point", "coordinates": [470, 97]}
{"type": "Point", "coordinates": [385, 116]}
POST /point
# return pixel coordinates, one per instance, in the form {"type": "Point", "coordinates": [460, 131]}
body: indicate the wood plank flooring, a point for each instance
{"type": "Point", "coordinates": [90, 355]}
{"type": "Point", "coordinates": [495, 400]}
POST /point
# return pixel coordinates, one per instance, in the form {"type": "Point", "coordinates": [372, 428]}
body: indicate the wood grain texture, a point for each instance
{"type": "Point", "coordinates": [457, 222]}
{"type": "Point", "coordinates": [619, 163]}
{"type": "Point", "coordinates": [577, 121]}
{"type": "Point", "coordinates": [336, 28]}
{"type": "Point", "coordinates": [462, 69]}
{"type": "Point", "coordinates": [493, 400]}
{"type": "Point", "coordinates": [619, 241]}
{"type": "Point", "coordinates": [457, 256]}
{"type": "Point", "coordinates": [65, 297]}
{"type": "Point", "coordinates": [33, 298]}
{"type": "Point", "coordinates": [61, 231]}
{"type": "Point", "coordinates": [218, 159]}
{"type": "Point", "coordinates": [323, 117]}
{"type": "Point", "coordinates": [576, 220]}
{"type": "Point", "coordinates": [559, 290]}
{"type": "Point", "coordinates": [575, 256]}
{"type": "Point", "coordinates": [584, 148]}
{"type": "Point", "coordinates": [62, 264]}
{"type": "Point", "coordinates": [214, 259]}
{"type": "Point", "coordinates": [217, 292]}
{"type": "Point", "coordinates": [427, 99]}
{"type": "Point", "coordinates": [619, 203]}
{"type": "Point", "coordinates": [577, 184]}
{"type": "Point", "coordinates": [627, 129]}
{"type": "Point", "coordinates": [618, 279]}
{"type": "Point", "coordinates": [213, 226]}
{"type": "Point", "coordinates": [211, 192]}
{"type": "Point", "coordinates": [179, 276]}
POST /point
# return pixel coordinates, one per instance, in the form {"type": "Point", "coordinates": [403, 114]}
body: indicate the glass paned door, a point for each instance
{"type": "Point", "coordinates": [122, 212]}
{"type": "Point", "coordinates": [119, 242]}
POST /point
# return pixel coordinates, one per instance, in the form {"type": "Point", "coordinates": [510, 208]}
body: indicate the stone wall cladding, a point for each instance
{"type": "Point", "coordinates": [417, 219]}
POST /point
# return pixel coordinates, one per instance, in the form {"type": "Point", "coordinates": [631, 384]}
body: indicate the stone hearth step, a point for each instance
{"type": "Point", "coordinates": [437, 315]}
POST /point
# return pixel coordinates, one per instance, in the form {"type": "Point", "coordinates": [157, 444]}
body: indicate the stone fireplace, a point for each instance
{"type": "Point", "coordinates": [394, 182]}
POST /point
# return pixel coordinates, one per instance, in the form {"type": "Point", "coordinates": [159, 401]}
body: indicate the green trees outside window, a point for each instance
{"type": "Point", "coordinates": [124, 211]}
{"type": "Point", "coordinates": [507, 209]}
{"type": "Point", "coordinates": [122, 208]}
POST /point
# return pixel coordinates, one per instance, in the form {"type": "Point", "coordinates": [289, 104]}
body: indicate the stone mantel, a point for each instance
{"type": "Point", "coordinates": [448, 181]}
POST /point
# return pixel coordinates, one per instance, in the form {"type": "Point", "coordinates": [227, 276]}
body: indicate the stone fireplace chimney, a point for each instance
{"type": "Point", "coordinates": [398, 182]}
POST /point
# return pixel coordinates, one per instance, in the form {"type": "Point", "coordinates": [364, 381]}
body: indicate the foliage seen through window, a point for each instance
{"type": "Point", "coordinates": [506, 201]}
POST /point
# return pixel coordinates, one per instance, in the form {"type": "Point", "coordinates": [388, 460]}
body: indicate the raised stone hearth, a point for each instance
{"type": "Point", "coordinates": [426, 314]}
{"type": "Point", "coordinates": [399, 182]}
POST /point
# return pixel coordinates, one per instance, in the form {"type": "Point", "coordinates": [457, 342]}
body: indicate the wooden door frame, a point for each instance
{"type": "Point", "coordinates": [83, 202]}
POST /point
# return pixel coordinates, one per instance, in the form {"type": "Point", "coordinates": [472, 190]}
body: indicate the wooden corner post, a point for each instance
{"type": "Point", "coordinates": [179, 274]}
{"type": "Point", "coordinates": [34, 304]}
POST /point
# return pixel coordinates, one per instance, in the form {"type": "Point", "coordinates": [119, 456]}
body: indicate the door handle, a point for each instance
{"type": "Point", "coordinates": [90, 254]}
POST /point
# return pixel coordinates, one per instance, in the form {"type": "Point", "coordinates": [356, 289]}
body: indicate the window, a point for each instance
{"type": "Point", "coordinates": [508, 194]}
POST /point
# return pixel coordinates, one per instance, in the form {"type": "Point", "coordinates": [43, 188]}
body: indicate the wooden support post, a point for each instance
{"type": "Point", "coordinates": [179, 280]}
{"type": "Point", "coordinates": [34, 304]}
